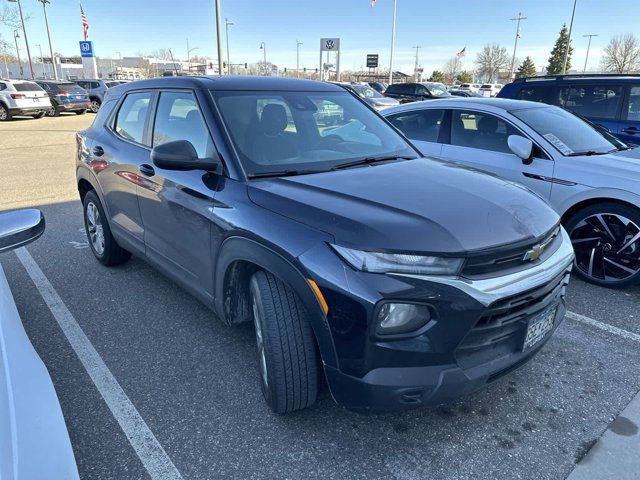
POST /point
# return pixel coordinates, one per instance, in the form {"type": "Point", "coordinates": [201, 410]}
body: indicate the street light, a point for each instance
{"type": "Point", "coordinates": [566, 50]}
{"type": "Point", "coordinates": [263, 47]}
{"type": "Point", "coordinates": [298, 58]}
{"type": "Point", "coordinates": [588, 48]}
{"type": "Point", "coordinates": [16, 36]}
{"type": "Point", "coordinates": [189, 50]}
{"type": "Point", "coordinates": [227, 23]}
{"type": "Point", "coordinates": [46, 21]}
{"type": "Point", "coordinates": [41, 59]}
{"type": "Point", "coordinates": [26, 40]}
{"type": "Point", "coordinates": [219, 37]}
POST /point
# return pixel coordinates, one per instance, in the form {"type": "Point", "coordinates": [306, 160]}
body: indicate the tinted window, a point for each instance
{"type": "Point", "coordinates": [81, 83]}
{"type": "Point", "coordinates": [27, 87]}
{"type": "Point", "coordinates": [592, 101]}
{"type": "Point", "coordinates": [423, 125]}
{"type": "Point", "coordinates": [3, 86]}
{"type": "Point", "coordinates": [132, 116]}
{"type": "Point", "coordinates": [480, 130]}
{"type": "Point", "coordinates": [93, 85]}
{"type": "Point", "coordinates": [178, 118]}
{"type": "Point", "coordinates": [541, 94]}
{"type": "Point", "coordinates": [275, 131]}
{"type": "Point", "coordinates": [566, 132]}
{"type": "Point", "coordinates": [633, 111]}
{"type": "Point", "coordinates": [401, 88]}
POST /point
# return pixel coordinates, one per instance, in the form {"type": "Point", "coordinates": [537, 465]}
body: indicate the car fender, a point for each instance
{"type": "Point", "coordinates": [239, 248]}
{"type": "Point", "coordinates": [83, 172]}
{"type": "Point", "coordinates": [603, 194]}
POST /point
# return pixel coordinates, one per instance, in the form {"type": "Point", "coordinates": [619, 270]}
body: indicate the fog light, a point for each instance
{"type": "Point", "coordinates": [394, 318]}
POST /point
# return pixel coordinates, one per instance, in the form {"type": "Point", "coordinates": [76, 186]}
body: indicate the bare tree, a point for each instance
{"type": "Point", "coordinates": [452, 68]}
{"type": "Point", "coordinates": [491, 61]}
{"type": "Point", "coordinates": [10, 17]}
{"type": "Point", "coordinates": [622, 54]}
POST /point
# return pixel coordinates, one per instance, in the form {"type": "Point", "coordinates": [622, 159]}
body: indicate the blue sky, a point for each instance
{"type": "Point", "coordinates": [442, 28]}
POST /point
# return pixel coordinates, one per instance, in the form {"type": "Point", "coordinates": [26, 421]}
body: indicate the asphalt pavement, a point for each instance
{"type": "Point", "coordinates": [194, 381]}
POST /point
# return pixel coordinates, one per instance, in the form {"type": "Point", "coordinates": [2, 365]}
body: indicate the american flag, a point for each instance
{"type": "Point", "coordinates": [85, 24]}
{"type": "Point", "coordinates": [461, 53]}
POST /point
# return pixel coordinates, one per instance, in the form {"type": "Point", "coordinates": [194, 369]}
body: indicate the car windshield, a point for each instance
{"type": "Point", "coordinates": [366, 91]}
{"type": "Point", "coordinates": [299, 132]}
{"type": "Point", "coordinates": [437, 90]}
{"type": "Point", "coordinates": [27, 87]}
{"type": "Point", "coordinates": [567, 133]}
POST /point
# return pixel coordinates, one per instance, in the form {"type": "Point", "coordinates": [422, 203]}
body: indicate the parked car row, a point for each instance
{"type": "Point", "coordinates": [51, 97]}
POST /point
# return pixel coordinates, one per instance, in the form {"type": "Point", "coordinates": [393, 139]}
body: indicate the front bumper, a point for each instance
{"type": "Point", "coordinates": [477, 336]}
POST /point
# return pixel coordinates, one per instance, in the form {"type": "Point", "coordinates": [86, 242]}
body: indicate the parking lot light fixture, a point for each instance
{"type": "Point", "coordinates": [16, 36]}
{"type": "Point", "coordinates": [26, 40]}
{"type": "Point", "coordinates": [263, 47]}
{"type": "Point", "coordinates": [227, 24]}
{"type": "Point", "coordinates": [46, 22]}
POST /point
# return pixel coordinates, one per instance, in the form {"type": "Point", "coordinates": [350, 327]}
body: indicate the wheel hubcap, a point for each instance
{"type": "Point", "coordinates": [95, 229]}
{"type": "Point", "coordinates": [607, 247]}
{"type": "Point", "coordinates": [3, 114]}
{"type": "Point", "coordinates": [94, 106]}
{"type": "Point", "coordinates": [257, 321]}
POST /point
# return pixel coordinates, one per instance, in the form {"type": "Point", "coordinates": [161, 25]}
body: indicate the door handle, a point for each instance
{"type": "Point", "coordinates": [631, 130]}
{"type": "Point", "coordinates": [147, 170]}
{"type": "Point", "coordinates": [98, 151]}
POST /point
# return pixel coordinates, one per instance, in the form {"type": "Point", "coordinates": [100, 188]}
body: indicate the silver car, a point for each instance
{"type": "Point", "coordinates": [587, 175]}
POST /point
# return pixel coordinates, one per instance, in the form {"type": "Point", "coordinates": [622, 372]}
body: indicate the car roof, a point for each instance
{"type": "Point", "coordinates": [469, 102]}
{"type": "Point", "coordinates": [585, 77]}
{"type": "Point", "coordinates": [233, 82]}
{"type": "Point", "coordinates": [43, 80]}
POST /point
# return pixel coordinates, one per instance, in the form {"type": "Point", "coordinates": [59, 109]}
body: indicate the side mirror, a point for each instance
{"type": "Point", "coordinates": [522, 147]}
{"type": "Point", "coordinates": [181, 155]}
{"type": "Point", "coordinates": [19, 228]}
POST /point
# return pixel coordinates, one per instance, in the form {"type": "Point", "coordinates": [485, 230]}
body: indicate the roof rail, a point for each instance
{"type": "Point", "coordinates": [577, 75]}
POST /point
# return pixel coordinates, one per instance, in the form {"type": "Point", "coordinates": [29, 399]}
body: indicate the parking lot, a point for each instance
{"type": "Point", "coordinates": [193, 382]}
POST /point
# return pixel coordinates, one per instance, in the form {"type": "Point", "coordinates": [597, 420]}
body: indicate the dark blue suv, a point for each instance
{"type": "Point", "coordinates": [291, 204]}
{"type": "Point", "coordinates": [611, 101]}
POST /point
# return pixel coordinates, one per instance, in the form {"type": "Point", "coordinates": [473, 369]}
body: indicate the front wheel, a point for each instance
{"type": "Point", "coordinates": [53, 111]}
{"type": "Point", "coordinates": [286, 348]}
{"type": "Point", "coordinates": [606, 240]}
{"type": "Point", "coordinates": [101, 240]}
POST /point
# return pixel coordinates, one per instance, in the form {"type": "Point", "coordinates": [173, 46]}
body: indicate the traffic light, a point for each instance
{"type": "Point", "coordinates": [285, 69]}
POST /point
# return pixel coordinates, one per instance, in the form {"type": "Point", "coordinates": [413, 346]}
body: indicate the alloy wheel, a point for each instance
{"type": "Point", "coordinates": [607, 247]}
{"type": "Point", "coordinates": [95, 228]}
{"type": "Point", "coordinates": [95, 106]}
{"type": "Point", "coordinates": [3, 114]}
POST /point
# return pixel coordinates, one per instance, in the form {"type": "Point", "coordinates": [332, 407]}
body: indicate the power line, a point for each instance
{"type": "Point", "coordinates": [519, 18]}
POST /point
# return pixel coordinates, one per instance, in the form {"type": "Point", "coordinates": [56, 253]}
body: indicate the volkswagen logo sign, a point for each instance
{"type": "Point", "coordinates": [330, 44]}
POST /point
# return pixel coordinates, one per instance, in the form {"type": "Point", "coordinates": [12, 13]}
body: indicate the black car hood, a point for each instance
{"type": "Point", "coordinates": [418, 205]}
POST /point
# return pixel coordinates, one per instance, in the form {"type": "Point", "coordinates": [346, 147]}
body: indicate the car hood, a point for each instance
{"type": "Point", "coordinates": [419, 205]}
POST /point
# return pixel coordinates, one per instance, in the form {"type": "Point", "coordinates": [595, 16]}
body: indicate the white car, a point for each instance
{"type": "Point", "coordinates": [21, 97]}
{"type": "Point", "coordinates": [590, 177]}
{"type": "Point", "coordinates": [490, 89]}
{"type": "Point", "coordinates": [470, 87]}
{"type": "Point", "coordinates": [33, 436]}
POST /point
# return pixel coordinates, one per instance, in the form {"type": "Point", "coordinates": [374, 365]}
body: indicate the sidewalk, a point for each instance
{"type": "Point", "coordinates": [616, 455]}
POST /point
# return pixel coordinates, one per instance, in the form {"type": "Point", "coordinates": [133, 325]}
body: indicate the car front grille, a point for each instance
{"type": "Point", "coordinates": [501, 329]}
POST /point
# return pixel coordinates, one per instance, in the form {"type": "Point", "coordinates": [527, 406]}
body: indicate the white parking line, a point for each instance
{"type": "Point", "coordinates": [603, 326]}
{"type": "Point", "coordinates": [142, 439]}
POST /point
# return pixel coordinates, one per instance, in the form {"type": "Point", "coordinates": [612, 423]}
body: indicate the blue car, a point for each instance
{"type": "Point", "coordinates": [65, 97]}
{"type": "Point", "coordinates": [611, 101]}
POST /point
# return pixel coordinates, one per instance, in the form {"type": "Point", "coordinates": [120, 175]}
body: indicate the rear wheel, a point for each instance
{"type": "Point", "coordinates": [286, 349]}
{"type": "Point", "coordinates": [53, 111]}
{"type": "Point", "coordinates": [80, 112]}
{"type": "Point", "coordinates": [102, 243]}
{"type": "Point", "coordinates": [95, 105]}
{"type": "Point", "coordinates": [5, 115]}
{"type": "Point", "coordinates": [606, 240]}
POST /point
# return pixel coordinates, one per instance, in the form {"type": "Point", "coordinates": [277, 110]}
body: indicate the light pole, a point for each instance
{"type": "Point", "coordinates": [219, 37]}
{"type": "Point", "coordinates": [189, 50]}
{"type": "Point", "coordinates": [46, 21]}
{"type": "Point", "coordinates": [298, 43]}
{"type": "Point", "coordinates": [515, 46]}
{"type": "Point", "coordinates": [263, 47]}
{"type": "Point", "coordinates": [16, 36]}
{"type": "Point", "coordinates": [588, 48]}
{"type": "Point", "coordinates": [415, 68]}
{"type": "Point", "coordinates": [393, 40]}
{"type": "Point", "coordinates": [41, 59]}
{"type": "Point", "coordinates": [227, 23]}
{"type": "Point", "coordinates": [566, 50]}
{"type": "Point", "coordinates": [26, 40]}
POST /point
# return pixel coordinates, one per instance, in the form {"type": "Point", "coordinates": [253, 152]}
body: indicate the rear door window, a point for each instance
{"type": "Point", "coordinates": [422, 125]}
{"type": "Point", "coordinates": [592, 101]}
{"type": "Point", "coordinates": [132, 117]}
{"type": "Point", "coordinates": [633, 107]}
{"type": "Point", "coordinates": [543, 94]}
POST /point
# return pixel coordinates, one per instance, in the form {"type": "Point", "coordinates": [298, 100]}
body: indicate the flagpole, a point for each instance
{"type": "Point", "coordinates": [393, 40]}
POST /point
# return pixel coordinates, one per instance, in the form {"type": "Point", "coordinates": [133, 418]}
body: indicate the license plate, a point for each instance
{"type": "Point", "coordinates": [539, 326]}
{"type": "Point", "coordinates": [36, 100]}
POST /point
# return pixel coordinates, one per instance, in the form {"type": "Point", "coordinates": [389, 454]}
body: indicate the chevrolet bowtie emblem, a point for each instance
{"type": "Point", "coordinates": [534, 253]}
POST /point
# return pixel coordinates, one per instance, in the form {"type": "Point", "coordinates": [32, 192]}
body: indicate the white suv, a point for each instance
{"type": "Point", "coordinates": [490, 89]}
{"type": "Point", "coordinates": [21, 97]}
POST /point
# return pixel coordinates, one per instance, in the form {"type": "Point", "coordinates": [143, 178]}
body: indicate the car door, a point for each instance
{"type": "Point", "coordinates": [176, 206]}
{"type": "Point", "coordinates": [422, 127]}
{"type": "Point", "coordinates": [629, 127]}
{"type": "Point", "coordinates": [600, 103]}
{"type": "Point", "coordinates": [479, 139]}
{"type": "Point", "coordinates": [124, 145]}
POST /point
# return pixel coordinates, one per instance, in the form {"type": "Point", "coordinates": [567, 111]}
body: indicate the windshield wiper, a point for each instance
{"type": "Point", "coordinates": [587, 153]}
{"type": "Point", "coordinates": [283, 173]}
{"type": "Point", "coordinates": [372, 160]}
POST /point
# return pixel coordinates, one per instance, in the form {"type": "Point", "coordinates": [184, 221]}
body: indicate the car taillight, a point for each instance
{"type": "Point", "coordinates": [18, 95]}
{"type": "Point", "coordinates": [62, 92]}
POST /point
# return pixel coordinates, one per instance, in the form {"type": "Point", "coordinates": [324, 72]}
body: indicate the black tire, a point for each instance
{"type": "Point", "coordinates": [5, 114]}
{"type": "Point", "coordinates": [39, 115]}
{"type": "Point", "coordinates": [288, 370]}
{"type": "Point", "coordinates": [80, 112]}
{"type": "Point", "coordinates": [53, 111]}
{"type": "Point", "coordinates": [598, 234]}
{"type": "Point", "coordinates": [95, 105]}
{"type": "Point", "coordinates": [111, 253]}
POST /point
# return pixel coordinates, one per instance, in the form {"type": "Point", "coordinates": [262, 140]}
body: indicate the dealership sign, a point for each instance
{"type": "Point", "coordinates": [372, 61]}
{"type": "Point", "coordinates": [329, 44]}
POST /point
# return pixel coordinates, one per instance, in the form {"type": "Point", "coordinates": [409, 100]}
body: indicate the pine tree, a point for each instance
{"type": "Point", "coordinates": [556, 60]}
{"type": "Point", "coordinates": [526, 69]}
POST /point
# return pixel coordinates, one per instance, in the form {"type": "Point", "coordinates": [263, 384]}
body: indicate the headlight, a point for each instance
{"type": "Point", "coordinates": [396, 318]}
{"type": "Point", "coordinates": [378, 262]}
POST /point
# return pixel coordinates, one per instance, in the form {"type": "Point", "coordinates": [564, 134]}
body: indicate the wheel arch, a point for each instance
{"type": "Point", "coordinates": [239, 258]}
{"type": "Point", "coordinates": [572, 210]}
